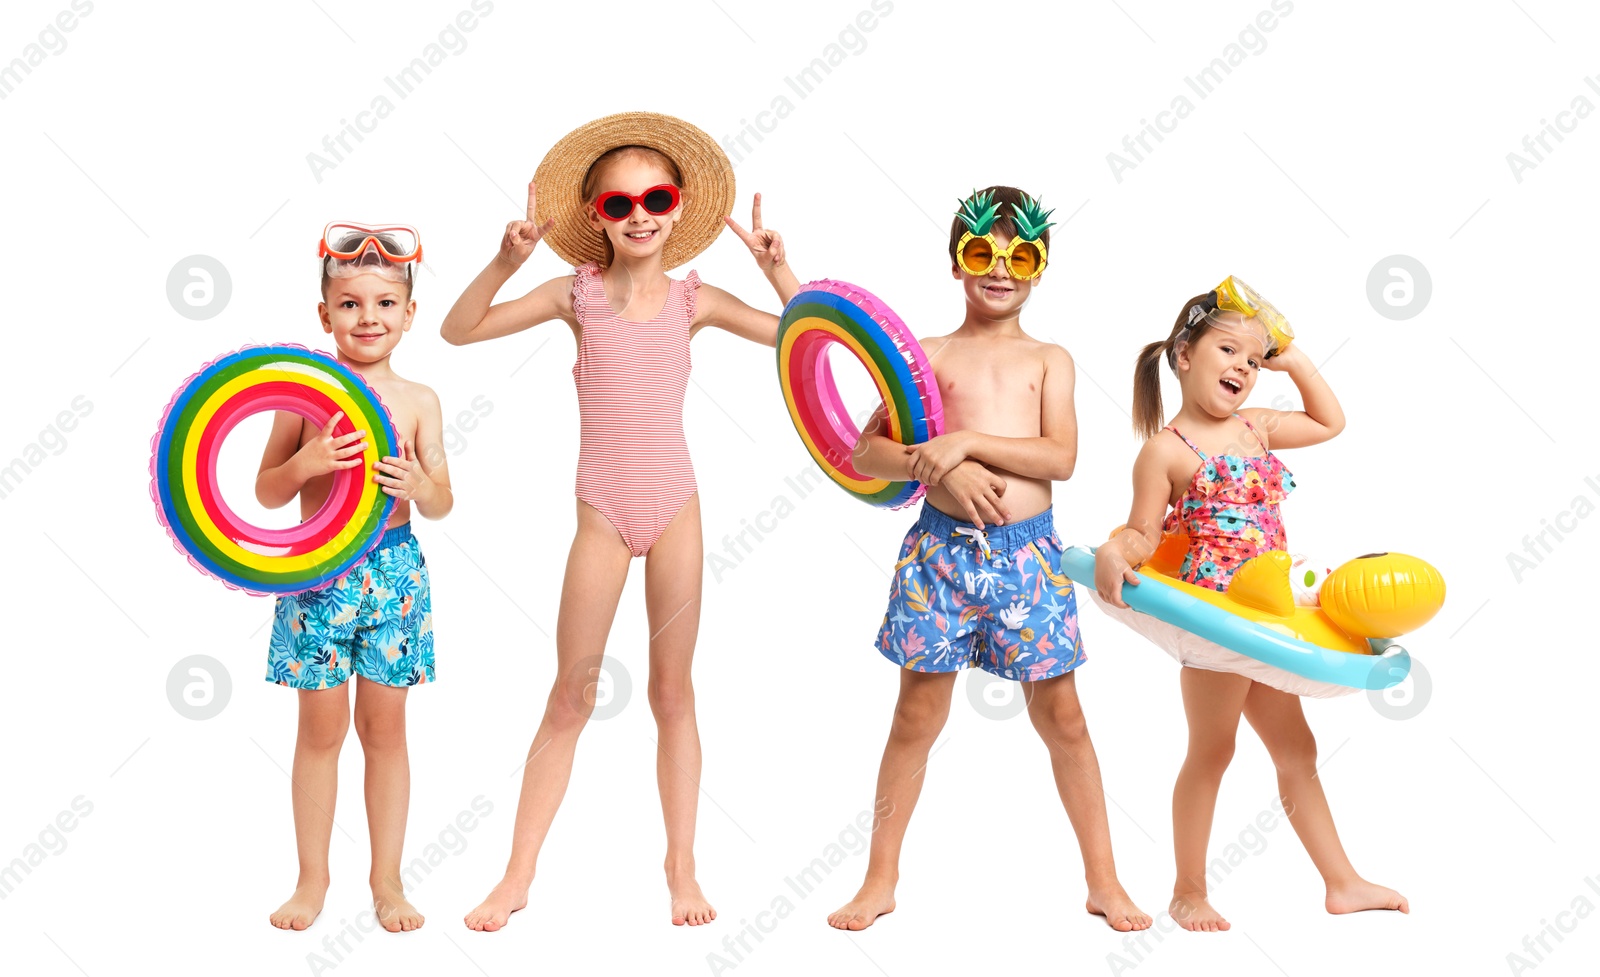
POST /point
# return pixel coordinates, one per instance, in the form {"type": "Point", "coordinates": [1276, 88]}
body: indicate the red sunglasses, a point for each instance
{"type": "Point", "coordinates": [615, 205]}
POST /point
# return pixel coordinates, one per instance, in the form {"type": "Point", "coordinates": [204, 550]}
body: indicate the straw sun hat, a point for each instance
{"type": "Point", "coordinates": [707, 184]}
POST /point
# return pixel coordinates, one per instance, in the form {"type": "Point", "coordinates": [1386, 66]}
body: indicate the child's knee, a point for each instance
{"type": "Point", "coordinates": [569, 708]}
{"type": "Point", "coordinates": [671, 700]}
{"type": "Point", "coordinates": [1296, 756]}
{"type": "Point", "coordinates": [380, 731]}
{"type": "Point", "coordinates": [919, 718]}
{"type": "Point", "coordinates": [1060, 720]}
{"type": "Point", "coordinates": [325, 734]}
{"type": "Point", "coordinates": [1212, 754]}
{"type": "Point", "coordinates": [323, 721]}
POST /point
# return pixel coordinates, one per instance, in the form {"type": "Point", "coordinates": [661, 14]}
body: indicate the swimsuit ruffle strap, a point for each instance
{"type": "Point", "coordinates": [587, 277]}
{"type": "Point", "coordinates": [691, 287]}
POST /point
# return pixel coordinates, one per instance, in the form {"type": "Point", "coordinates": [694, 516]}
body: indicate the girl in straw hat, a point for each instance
{"type": "Point", "coordinates": [623, 199]}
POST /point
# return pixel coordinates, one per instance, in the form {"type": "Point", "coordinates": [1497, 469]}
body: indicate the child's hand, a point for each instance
{"type": "Point", "coordinates": [978, 490]}
{"type": "Point", "coordinates": [933, 459]}
{"type": "Point", "coordinates": [1285, 361]}
{"type": "Point", "coordinates": [1111, 571]}
{"type": "Point", "coordinates": [401, 477]}
{"type": "Point", "coordinates": [765, 244]}
{"type": "Point", "coordinates": [521, 236]}
{"type": "Point", "coordinates": [326, 453]}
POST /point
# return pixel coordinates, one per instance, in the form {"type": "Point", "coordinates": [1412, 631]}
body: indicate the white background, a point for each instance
{"type": "Point", "coordinates": [1360, 130]}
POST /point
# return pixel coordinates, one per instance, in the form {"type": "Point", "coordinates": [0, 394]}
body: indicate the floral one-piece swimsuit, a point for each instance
{"type": "Point", "coordinates": [1230, 512]}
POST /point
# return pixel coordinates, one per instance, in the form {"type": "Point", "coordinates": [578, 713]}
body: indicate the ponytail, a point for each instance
{"type": "Point", "coordinates": [1147, 414]}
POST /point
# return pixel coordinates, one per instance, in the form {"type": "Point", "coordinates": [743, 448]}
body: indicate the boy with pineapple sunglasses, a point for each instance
{"type": "Point", "coordinates": [977, 583]}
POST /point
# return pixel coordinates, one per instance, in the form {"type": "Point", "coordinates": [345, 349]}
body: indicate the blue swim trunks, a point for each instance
{"type": "Point", "coordinates": [995, 599]}
{"type": "Point", "coordinates": [376, 621]}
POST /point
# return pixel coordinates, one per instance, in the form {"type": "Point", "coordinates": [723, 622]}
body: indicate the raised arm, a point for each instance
{"type": "Point", "coordinates": [473, 318]}
{"type": "Point", "coordinates": [766, 246]}
{"type": "Point", "coordinates": [715, 307]}
{"type": "Point", "coordinates": [1322, 417]}
{"type": "Point", "coordinates": [1052, 455]}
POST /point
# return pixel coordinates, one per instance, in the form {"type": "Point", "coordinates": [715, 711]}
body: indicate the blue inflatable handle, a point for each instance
{"type": "Point", "coordinates": [1386, 668]}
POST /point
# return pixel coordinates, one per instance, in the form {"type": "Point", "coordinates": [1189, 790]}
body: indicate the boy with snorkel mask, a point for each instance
{"type": "Point", "coordinates": [375, 621]}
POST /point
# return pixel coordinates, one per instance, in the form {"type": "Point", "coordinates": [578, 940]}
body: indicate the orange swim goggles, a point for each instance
{"type": "Point", "coordinates": [346, 241]}
{"type": "Point", "coordinates": [978, 250]}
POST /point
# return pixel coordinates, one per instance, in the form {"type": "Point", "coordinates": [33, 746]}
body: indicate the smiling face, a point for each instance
{"type": "Point", "coordinates": [366, 315]}
{"type": "Point", "coordinates": [1219, 369]}
{"type": "Point", "coordinates": [641, 234]}
{"type": "Point", "coordinates": [995, 295]}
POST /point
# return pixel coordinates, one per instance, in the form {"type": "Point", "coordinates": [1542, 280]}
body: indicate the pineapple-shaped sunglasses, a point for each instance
{"type": "Point", "coordinates": [977, 251]}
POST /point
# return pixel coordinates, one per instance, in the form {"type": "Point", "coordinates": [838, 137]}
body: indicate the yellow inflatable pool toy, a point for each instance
{"type": "Point", "coordinates": [1380, 595]}
{"type": "Point", "coordinates": [1366, 603]}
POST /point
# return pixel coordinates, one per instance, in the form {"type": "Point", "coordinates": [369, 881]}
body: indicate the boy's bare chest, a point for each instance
{"type": "Point", "coordinates": [402, 414]}
{"type": "Point", "coordinates": [990, 393]}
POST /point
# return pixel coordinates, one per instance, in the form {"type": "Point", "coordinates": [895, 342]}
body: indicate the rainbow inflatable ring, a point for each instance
{"type": "Point", "coordinates": [826, 312]}
{"type": "Point", "coordinates": [183, 470]}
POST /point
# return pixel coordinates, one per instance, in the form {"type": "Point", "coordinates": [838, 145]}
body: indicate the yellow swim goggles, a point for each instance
{"type": "Point", "coordinates": [1234, 295]}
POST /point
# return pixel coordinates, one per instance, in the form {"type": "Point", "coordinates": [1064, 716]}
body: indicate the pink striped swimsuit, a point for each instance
{"type": "Point", "coordinates": [633, 459]}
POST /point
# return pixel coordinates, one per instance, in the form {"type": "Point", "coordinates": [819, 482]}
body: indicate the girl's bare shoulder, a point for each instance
{"type": "Point", "coordinates": [1167, 453]}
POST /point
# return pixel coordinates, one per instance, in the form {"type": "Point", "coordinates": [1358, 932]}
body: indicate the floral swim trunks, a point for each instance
{"type": "Point", "coordinates": [376, 621]}
{"type": "Point", "coordinates": [995, 599]}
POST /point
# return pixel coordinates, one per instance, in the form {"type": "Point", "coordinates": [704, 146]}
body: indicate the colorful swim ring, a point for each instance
{"type": "Point", "coordinates": [1257, 616]}
{"type": "Point", "coordinates": [183, 470]}
{"type": "Point", "coordinates": [824, 313]}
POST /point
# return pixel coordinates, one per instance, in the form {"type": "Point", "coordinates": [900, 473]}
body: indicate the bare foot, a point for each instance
{"type": "Point", "coordinates": [508, 897]}
{"type": "Point", "coordinates": [1195, 914]}
{"type": "Point", "coordinates": [1113, 903]}
{"type": "Point", "coordinates": [874, 900]}
{"type": "Point", "coordinates": [395, 913]}
{"type": "Point", "coordinates": [1358, 895]}
{"type": "Point", "coordinates": [689, 904]}
{"type": "Point", "coordinates": [302, 907]}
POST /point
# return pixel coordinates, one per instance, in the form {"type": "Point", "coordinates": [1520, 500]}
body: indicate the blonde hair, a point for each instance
{"type": "Point", "coordinates": [591, 179]}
